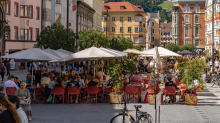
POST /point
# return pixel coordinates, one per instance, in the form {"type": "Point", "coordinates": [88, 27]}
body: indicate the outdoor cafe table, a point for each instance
{"type": "Point", "coordinates": [34, 87]}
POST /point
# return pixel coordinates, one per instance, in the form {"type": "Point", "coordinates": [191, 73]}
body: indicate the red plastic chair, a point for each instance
{"type": "Point", "coordinates": [58, 91]}
{"type": "Point", "coordinates": [107, 91]}
{"type": "Point", "coordinates": [170, 90]}
{"type": "Point", "coordinates": [92, 90]}
{"type": "Point", "coordinates": [10, 91]}
{"type": "Point", "coordinates": [74, 91]}
{"type": "Point", "coordinates": [131, 90]}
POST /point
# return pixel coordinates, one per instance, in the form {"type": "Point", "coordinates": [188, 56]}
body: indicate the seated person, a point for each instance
{"type": "Point", "coordinates": [169, 82]}
{"type": "Point", "coordinates": [65, 80]}
{"type": "Point", "coordinates": [73, 82]}
{"type": "Point", "coordinates": [1, 91]}
{"type": "Point", "coordinates": [103, 81]}
{"type": "Point", "coordinates": [85, 79]}
{"type": "Point", "coordinates": [10, 83]}
{"type": "Point", "coordinates": [70, 73]}
{"type": "Point", "coordinates": [59, 84]}
{"type": "Point", "coordinates": [93, 82]}
{"type": "Point", "coordinates": [80, 81]}
{"type": "Point", "coordinates": [45, 80]}
{"type": "Point", "coordinates": [28, 80]}
{"type": "Point", "coordinates": [153, 86]}
{"type": "Point", "coordinates": [53, 82]}
{"type": "Point", "coordinates": [17, 82]}
{"type": "Point", "coordinates": [100, 73]}
{"type": "Point", "coordinates": [136, 77]}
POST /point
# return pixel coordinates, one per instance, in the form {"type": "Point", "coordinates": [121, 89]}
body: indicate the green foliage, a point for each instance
{"type": "Point", "coordinates": [56, 37]}
{"type": "Point", "coordinates": [173, 47]}
{"type": "Point", "coordinates": [137, 47]}
{"type": "Point", "coordinates": [193, 71]}
{"type": "Point", "coordinates": [114, 69]}
{"type": "Point", "coordinates": [89, 38]}
{"type": "Point", "coordinates": [121, 43]}
{"type": "Point", "coordinates": [188, 47]}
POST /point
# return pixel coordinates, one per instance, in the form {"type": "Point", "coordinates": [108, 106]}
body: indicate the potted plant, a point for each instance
{"type": "Point", "coordinates": [192, 77]}
{"type": "Point", "coordinates": [114, 69]}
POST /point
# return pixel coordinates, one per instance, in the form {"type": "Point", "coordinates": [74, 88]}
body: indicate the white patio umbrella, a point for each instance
{"type": "Point", "coordinates": [32, 55]}
{"type": "Point", "coordinates": [114, 52]}
{"type": "Point", "coordinates": [65, 51]}
{"type": "Point", "coordinates": [156, 57]}
{"type": "Point", "coordinates": [162, 52]}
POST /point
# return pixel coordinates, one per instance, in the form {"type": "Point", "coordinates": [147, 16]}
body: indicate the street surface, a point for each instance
{"type": "Point", "coordinates": [207, 110]}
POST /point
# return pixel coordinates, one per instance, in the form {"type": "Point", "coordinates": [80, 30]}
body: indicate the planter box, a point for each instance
{"type": "Point", "coordinates": [191, 99]}
{"type": "Point", "coordinates": [151, 99]}
{"type": "Point", "coordinates": [199, 89]}
{"type": "Point", "coordinates": [115, 99]}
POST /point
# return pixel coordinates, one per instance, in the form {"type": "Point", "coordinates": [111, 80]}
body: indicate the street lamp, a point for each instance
{"type": "Point", "coordinates": [192, 29]}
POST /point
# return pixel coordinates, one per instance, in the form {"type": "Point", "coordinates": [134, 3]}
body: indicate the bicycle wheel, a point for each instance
{"type": "Point", "coordinates": [119, 119]}
{"type": "Point", "coordinates": [146, 119]}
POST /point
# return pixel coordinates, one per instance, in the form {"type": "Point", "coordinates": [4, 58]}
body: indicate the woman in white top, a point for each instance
{"type": "Point", "coordinates": [216, 64]}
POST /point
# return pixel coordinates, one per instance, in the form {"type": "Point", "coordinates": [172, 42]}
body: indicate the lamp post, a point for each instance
{"type": "Point", "coordinates": [106, 6]}
{"type": "Point", "coordinates": [213, 2]}
{"type": "Point", "coordinates": [192, 29]}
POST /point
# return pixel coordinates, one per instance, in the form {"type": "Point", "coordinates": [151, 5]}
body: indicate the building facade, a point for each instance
{"type": "Point", "coordinates": [55, 11]}
{"type": "Point", "coordinates": [155, 29]}
{"type": "Point", "coordinates": [188, 17]}
{"type": "Point", "coordinates": [97, 16]}
{"type": "Point", "coordinates": [2, 25]}
{"type": "Point", "coordinates": [148, 31]}
{"type": "Point", "coordinates": [208, 26]}
{"type": "Point", "coordinates": [166, 33]}
{"type": "Point", "coordinates": [126, 20]}
{"type": "Point", "coordinates": [24, 24]}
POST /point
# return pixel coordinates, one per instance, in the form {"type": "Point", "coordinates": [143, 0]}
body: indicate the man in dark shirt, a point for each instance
{"type": "Point", "coordinates": [169, 83]}
{"type": "Point", "coordinates": [93, 82]}
{"type": "Point", "coordinates": [73, 82]}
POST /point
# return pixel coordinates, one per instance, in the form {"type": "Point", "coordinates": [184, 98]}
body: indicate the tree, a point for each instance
{"type": "Point", "coordinates": [173, 47]}
{"type": "Point", "coordinates": [89, 38]}
{"type": "Point", "coordinates": [188, 47]}
{"type": "Point", "coordinates": [121, 43]}
{"type": "Point", "coordinates": [137, 47]}
{"type": "Point", "coordinates": [56, 37]}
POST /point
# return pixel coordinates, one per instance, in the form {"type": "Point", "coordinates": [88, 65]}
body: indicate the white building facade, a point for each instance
{"type": "Point", "coordinates": [148, 31]}
{"type": "Point", "coordinates": [208, 25]}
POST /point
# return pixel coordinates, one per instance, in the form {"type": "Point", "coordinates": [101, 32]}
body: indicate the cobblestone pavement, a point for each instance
{"type": "Point", "coordinates": [207, 110]}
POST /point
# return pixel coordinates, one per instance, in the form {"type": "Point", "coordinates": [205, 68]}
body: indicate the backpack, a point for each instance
{"type": "Point", "coordinates": [50, 99]}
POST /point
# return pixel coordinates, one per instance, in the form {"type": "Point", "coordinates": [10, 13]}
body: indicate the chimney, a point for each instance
{"type": "Point", "coordinates": [165, 21]}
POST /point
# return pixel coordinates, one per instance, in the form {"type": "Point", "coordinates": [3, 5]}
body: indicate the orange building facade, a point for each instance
{"type": "Point", "coordinates": [188, 23]}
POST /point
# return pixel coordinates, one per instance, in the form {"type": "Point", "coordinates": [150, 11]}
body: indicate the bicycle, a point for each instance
{"type": "Point", "coordinates": [125, 117]}
{"type": "Point", "coordinates": [216, 80]}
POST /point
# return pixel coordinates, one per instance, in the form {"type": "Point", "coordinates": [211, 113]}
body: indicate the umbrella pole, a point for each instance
{"type": "Point", "coordinates": [32, 74]}
{"type": "Point", "coordinates": [55, 65]}
{"type": "Point", "coordinates": [102, 71]}
{"type": "Point", "coordinates": [47, 67]}
{"type": "Point", "coordinates": [94, 69]}
{"type": "Point", "coordinates": [89, 62]}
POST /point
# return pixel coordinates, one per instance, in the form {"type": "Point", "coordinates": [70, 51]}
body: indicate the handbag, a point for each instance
{"type": "Point", "coordinates": [23, 102]}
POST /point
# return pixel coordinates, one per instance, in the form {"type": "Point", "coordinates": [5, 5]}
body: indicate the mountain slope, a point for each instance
{"type": "Point", "coordinates": [167, 5]}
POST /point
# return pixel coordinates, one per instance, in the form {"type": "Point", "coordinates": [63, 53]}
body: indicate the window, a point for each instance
{"type": "Point", "coordinates": [113, 18]}
{"type": "Point", "coordinates": [152, 38]}
{"type": "Point", "coordinates": [113, 29]}
{"type": "Point", "coordinates": [153, 31]}
{"type": "Point", "coordinates": [104, 29]}
{"type": "Point", "coordinates": [186, 18]}
{"type": "Point", "coordinates": [24, 34]}
{"type": "Point", "coordinates": [138, 29]}
{"type": "Point", "coordinates": [186, 31]}
{"type": "Point", "coordinates": [7, 9]}
{"type": "Point", "coordinates": [129, 18]}
{"type": "Point", "coordinates": [122, 7]}
{"type": "Point", "coordinates": [121, 18]}
{"type": "Point", "coordinates": [186, 8]}
{"type": "Point", "coordinates": [121, 29]}
{"type": "Point", "coordinates": [139, 19]}
{"type": "Point", "coordinates": [24, 11]}
{"type": "Point", "coordinates": [38, 13]}
{"type": "Point", "coordinates": [140, 24]}
{"type": "Point", "coordinates": [37, 32]}
{"type": "Point", "coordinates": [152, 23]}
{"type": "Point", "coordinates": [175, 41]}
{"type": "Point", "coordinates": [197, 8]}
{"type": "Point", "coordinates": [186, 41]}
{"type": "Point", "coordinates": [31, 11]}
{"type": "Point", "coordinates": [196, 19]}
{"type": "Point", "coordinates": [197, 42]}
{"type": "Point", "coordinates": [30, 33]}
{"type": "Point", "coordinates": [16, 33]}
{"type": "Point", "coordinates": [196, 31]}
{"type": "Point", "coordinates": [7, 32]}
{"type": "Point", "coordinates": [175, 19]}
{"type": "Point", "coordinates": [57, 1]}
{"type": "Point", "coordinates": [16, 9]}
{"type": "Point", "coordinates": [138, 40]}
{"type": "Point", "coordinates": [129, 29]}
{"type": "Point", "coordinates": [105, 18]}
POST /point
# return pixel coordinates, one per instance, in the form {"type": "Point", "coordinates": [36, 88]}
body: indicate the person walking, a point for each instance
{"type": "Point", "coordinates": [2, 71]}
{"type": "Point", "coordinates": [8, 68]}
{"type": "Point", "coordinates": [9, 114]}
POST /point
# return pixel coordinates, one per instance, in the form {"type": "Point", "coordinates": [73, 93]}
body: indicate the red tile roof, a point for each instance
{"type": "Point", "coordinates": [115, 7]}
{"type": "Point", "coordinates": [166, 26]}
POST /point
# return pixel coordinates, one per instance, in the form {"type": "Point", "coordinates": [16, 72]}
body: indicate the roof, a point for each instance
{"type": "Point", "coordinates": [154, 14]}
{"type": "Point", "coordinates": [115, 7]}
{"type": "Point", "coordinates": [85, 4]}
{"type": "Point", "coordinates": [166, 26]}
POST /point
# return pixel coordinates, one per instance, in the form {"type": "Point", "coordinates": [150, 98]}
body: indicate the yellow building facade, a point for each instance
{"type": "Point", "coordinates": [126, 20]}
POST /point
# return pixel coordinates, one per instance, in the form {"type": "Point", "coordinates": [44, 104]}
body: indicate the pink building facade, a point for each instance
{"type": "Point", "coordinates": [24, 24]}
